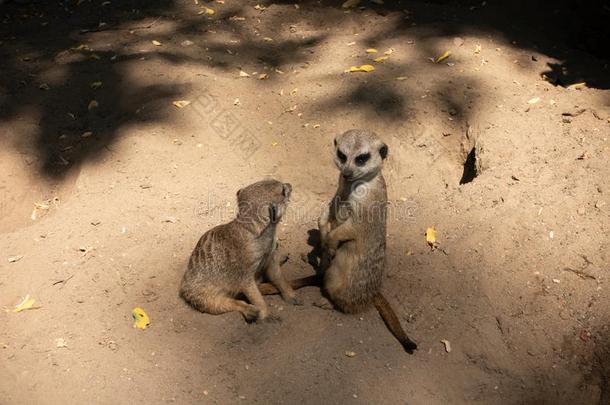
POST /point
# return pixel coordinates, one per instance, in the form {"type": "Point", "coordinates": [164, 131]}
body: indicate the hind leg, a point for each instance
{"type": "Point", "coordinates": [223, 305]}
{"type": "Point", "coordinates": [279, 281]}
{"type": "Point", "coordinates": [217, 304]}
{"type": "Point", "coordinates": [336, 285]}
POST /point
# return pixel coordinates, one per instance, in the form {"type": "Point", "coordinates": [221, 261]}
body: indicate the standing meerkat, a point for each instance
{"type": "Point", "coordinates": [230, 258]}
{"type": "Point", "coordinates": [353, 232]}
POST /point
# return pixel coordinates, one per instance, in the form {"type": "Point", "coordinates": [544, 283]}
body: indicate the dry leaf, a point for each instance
{"type": "Point", "coordinates": [44, 86]}
{"type": "Point", "coordinates": [431, 236]}
{"type": "Point", "coordinates": [371, 50]}
{"type": "Point", "coordinates": [350, 353]}
{"type": "Point", "coordinates": [477, 49]}
{"type": "Point", "coordinates": [38, 207]}
{"type": "Point", "coordinates": [206, 11]}
{"type": "Point", "coordinates": [140, 319]}
{"type": "Point", "coordinates": [447, 345]}
{"type": "Point", "coordinates": [263, 76]}
{"type": "Point", "coordinates": [243, 74]}
{"type": "Point", "coordinates": [181, 103]}
{"type": "Point", "coordinates": [350, 3]}
{"type": "Point", "coordinates": [14, 259]}
{"type": "Point", "coordinates": [92, 104]}
{"type": "Point", "coordinates": [442, 57]}
{"type": "Point", "coordinates": [86, 134]}
{"type": "Point", "coordinates": [577, 86]}
{"type": "Point", "coordinates": [363, 68]}
{"type": "Point", "coordinates": [389, 51]}
{"type": "Point", "coordinates": [457, 41]}
{"type": "Point", "coordinates": [380, 59]}
{"type": "Point", "coordinates": [533, 100]}
{"type": "Point", "coordinates": [96, 85]}
{"type": "Point", "coordinates": [26, 303]}
{"type": "Point", "coordinates": [156, 43]}
{"type": "Point", "coordinates": [267, 39]}
{"type": "Point", "coordinates": [60, 343]}
{"type": "Point", "coordinates": [401, 78]}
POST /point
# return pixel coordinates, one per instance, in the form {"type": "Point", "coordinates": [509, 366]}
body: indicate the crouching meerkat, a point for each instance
{"type": "Point", "coordinates": [353, 230]}
{"type": "Point", "coordinates": [230, 259]}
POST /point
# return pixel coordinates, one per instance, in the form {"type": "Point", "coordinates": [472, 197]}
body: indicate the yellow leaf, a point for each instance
{"type": "Point", "coordinates": [156, 43]}
{"type": "Point", "coordinates": [577, 86]}
{"type": "Point", "coordinates": [442, 57]}
{"type": "Point", "coordinates": [371, 50]}
{"type": "Point", "coordinates": [431, 236]}
{"type": "Point", "coordinates": [206, 11]}
{"type": "Point", "coordinates": [181, 103]}
{"type": "Point", "coordinates": [140, 319]}
{"type": "Point", "coordinates": [363, 68]}
{"type": "Point", "coordinates": [351, 3]}
{"type": "Point", "coordinates": [381, 59]}
{"type": "Point", "coordinates": [27, 303]}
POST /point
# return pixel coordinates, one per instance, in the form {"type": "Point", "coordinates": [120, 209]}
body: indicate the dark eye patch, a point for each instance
{"type": "Point", "coordinates": [362, 159]}
{"type": "Point", "coordinates": [341, 156]}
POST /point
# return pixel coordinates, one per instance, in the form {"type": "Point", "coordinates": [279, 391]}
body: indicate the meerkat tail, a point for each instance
{"type": "Point", "coordinates": [309, 281]}
{"type": "Point", "coordinates": [391, 320]}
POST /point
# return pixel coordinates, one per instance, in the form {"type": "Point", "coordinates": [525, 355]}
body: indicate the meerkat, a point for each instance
{"type": "Point", "coordinates": [230, 259]}
{"type": "Point", "coordinates": [353, 232]}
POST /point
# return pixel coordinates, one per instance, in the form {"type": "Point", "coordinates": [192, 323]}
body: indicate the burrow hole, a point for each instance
{"type": "Point", "coordinates": [470, 167]}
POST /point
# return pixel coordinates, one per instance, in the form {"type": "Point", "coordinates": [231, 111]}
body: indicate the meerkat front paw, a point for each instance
{"type": "Point", "coordinates": [295, 301]}
{"type": "Point", "coordinates": [331, 246]}
{"type": "Point", "coordinates": [270, 318]}
{"type": "Point", "coordinates": [251, 314]}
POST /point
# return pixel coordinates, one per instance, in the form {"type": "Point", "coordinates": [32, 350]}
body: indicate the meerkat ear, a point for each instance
{"type": "Point", "coordinates": [273, 217]}
{"type": "Point", "coordinates": [383, 151]}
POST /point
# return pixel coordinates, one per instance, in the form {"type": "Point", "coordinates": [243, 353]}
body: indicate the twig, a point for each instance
{"type": "Point", "coordinates": [63, 282]}
{"type": "Point", "coordinates": [139, 27]}
{"type": "Point", "coordinates": [580, 273]}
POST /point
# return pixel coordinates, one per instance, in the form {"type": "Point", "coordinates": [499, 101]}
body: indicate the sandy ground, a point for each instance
{"type": "Point", "coordinates": [518, 284]}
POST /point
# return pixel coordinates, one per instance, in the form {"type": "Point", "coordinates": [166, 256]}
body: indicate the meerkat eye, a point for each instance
{"type": "Point", "coordinates": [362, 159]}
{"type": "Point", "coordinates": [341, 156]}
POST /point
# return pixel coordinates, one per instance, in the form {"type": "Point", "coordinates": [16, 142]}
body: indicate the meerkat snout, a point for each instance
{"type": "Point", "coordinates": [356, 159]}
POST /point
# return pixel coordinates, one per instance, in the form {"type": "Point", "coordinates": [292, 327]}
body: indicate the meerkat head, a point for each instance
{"type": "Point", "coordinates": [359, 154]}
{"type": "Point", "coordinates": [263, 202]}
